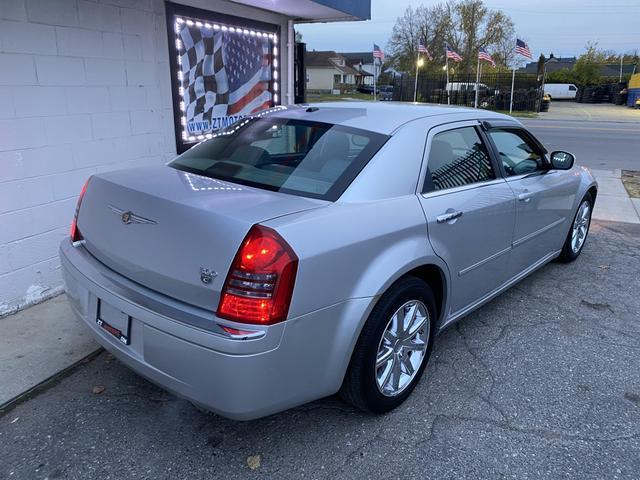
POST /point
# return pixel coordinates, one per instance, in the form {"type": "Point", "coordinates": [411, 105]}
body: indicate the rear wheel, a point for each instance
{"type": "Point", "coordinates": [577, 236]}
{"type": "Point", "coordinates": [393, 348]}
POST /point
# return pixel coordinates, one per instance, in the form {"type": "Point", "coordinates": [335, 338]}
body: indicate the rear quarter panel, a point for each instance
{"type": "Point", "coordinates": [354, 250]}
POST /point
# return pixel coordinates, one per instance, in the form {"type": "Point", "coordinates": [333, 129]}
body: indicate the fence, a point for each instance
{"type": "Point", "coordinates": [494, 90]}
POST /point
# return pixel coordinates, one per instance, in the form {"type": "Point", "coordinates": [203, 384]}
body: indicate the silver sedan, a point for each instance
{"type": "Point", "coordinates": [317, 249]}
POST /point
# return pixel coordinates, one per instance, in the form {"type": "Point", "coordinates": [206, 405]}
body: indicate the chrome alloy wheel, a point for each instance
{"type": "Point", "coordinates": [402, 348]}
{"type": "Point", "coordinates": [580, 226]}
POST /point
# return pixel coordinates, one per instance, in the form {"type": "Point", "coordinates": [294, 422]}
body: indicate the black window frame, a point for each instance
{"type": "Point", "coordinates": [377, 141]}
{"type": "Point", "coordinates": [427, 181]}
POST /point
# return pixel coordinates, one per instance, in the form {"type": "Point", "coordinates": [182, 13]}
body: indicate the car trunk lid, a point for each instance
{"type": "Point", "coordinates": [175, 232]}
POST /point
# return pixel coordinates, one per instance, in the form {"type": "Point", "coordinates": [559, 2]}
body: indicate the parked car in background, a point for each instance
{"type": "Point", "coordinates": [317, 249]}
{"type": "Point", "coordinates": [385, 92]}
{"type": "Point", "coordinates": [365, 89]}
{"type": "Point", "coordinates": [469, 87]}
{"type": "Point", "coordinates": [560, 91]}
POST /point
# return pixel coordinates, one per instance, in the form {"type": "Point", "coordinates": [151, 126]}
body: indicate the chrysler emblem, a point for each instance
{"type": "Point", "coordinates": [128, 217]}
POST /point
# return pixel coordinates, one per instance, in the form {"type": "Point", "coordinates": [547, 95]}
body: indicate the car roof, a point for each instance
{"type": "Point", "coordinates": [381, 117]}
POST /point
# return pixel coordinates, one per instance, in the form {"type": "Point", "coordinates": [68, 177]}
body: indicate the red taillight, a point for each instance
{"type": "Point", "coordinates": [260, 281]}
{"type": "Point", "coordinates": [76, 236]}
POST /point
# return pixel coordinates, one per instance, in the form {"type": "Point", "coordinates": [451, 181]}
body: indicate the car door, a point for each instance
{"type": "Point", "coordinates": [545, 197]}
{"type": "Point", "coordinates": [470, 212]}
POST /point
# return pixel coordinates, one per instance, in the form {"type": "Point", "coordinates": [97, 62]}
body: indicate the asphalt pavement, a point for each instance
{"type": "Point", "coordinates": [602, 136]}
{"type": "Point", "coordinates": [541, 383]}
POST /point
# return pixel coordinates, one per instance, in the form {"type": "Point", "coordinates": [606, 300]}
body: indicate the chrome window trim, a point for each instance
{"type": "Point", "coordinates": [462, 188]}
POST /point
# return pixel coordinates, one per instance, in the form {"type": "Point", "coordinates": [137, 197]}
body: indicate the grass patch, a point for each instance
{"type": "Point", "coordinates": [631, 181]}
{"type": "Point", "coordinates": [524, 114]}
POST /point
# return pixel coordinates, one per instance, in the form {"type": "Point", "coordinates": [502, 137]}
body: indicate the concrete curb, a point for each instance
{"type": "Point", "coordinates": [47, 383]}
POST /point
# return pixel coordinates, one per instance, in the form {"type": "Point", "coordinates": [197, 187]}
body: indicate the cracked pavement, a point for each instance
{"type": "Point", "coordinates": [541, 383]}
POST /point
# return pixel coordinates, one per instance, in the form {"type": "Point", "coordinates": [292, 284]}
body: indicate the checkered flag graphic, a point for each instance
{"type": "Point", "coordinates": [223, 73]}
{"type": "Point", "coordinates": [204, 78]}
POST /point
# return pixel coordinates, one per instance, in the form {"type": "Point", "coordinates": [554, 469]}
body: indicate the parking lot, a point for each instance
{"type": "Point", "coordinates": [541, 383]}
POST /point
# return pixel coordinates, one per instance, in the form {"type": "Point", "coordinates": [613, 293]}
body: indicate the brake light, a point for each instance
{"type": "Point", "coordinates": [259, 284]}
{"type": "Point", "coordinates": [76, 236]}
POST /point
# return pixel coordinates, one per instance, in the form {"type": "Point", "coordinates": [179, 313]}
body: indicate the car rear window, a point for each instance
{"type": "Point", "coordinates": [312, 159]}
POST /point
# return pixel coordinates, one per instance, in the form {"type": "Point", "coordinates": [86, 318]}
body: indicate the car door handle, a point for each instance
{"type": "Point", "coordinates": [525, 196]}
{"type": "Point", "coordinates": [447, 217]}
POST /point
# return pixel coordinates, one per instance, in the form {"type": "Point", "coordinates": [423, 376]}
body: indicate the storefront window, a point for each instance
{"type": "Point", "coordinates": [224, 68]}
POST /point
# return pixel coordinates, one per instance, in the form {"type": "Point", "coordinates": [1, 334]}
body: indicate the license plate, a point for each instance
{"type": "Point", "coordinates": [114, 321]}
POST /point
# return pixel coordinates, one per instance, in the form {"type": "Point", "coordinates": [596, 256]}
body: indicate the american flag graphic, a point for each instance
{"type": "Point", "coordinates": [247, 62]}
{"type": "Point", "coordinates": [451, 53]}
{"type": "Point", "coordinates": [423, 49]}
{"type": "Point", "coordinates": [484, 55]}
{"type": "Point", "coordinates": [523, 49]}
{"type": "Point", "coordinates": [377, 53]}
{"type": "Point", "coordinates": [222, 74]}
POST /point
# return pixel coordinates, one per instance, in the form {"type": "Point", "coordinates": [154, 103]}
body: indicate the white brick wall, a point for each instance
{"type": "Point", "coordinates": [84, 88]}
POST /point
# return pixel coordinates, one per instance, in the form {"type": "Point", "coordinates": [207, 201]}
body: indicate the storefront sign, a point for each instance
{"type": "Point", "coordinates": [223, 69]}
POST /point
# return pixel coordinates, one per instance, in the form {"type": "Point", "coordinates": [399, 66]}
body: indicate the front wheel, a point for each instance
{"type": "Point", "coordinates": [393, 348]}
{"type": "Point", "coordinates": [579, 230]}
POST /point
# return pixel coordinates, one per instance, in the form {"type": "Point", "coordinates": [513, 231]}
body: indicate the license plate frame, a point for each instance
{"type": "Point", "coordinates": [113, 322]}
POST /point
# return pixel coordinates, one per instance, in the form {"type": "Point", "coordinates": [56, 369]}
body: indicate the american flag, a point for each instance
{"type": "Point", "coordinates": [247, 61]}
{"type": "Point", "coordinates": [484, 55]}
{"type": "Point", "coordinates": [451, 53]}
{"type": "Point", "coordinates": [377, 53]}
{"type": "Point", "coordinates": [423, 49]}
{"type": "Point", "coordinates": [222, 74]}
{"type": "Point", "coordinates": [523, 49]}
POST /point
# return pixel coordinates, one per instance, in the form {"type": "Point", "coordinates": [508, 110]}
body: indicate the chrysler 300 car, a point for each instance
{"type": "Point", "coordinates": [317, 249]}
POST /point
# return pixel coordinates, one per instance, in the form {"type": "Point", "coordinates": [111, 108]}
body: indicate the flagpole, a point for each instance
{"type": "Point", "coordinates": [513, 81]}
{"type": "Point", "coordinates": [446, 66]}
{"type": "Point", "coordinates": [415, 86]}
{"type": "Point", "coordinates": [475, 103]}
{"type": "Point", "coordinates": [374, 79]}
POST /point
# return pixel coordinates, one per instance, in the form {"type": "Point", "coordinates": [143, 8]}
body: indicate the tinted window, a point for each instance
{"type": "Point", "coordinates": [518, 153]}
{"type": "Point", "coordinates": [293, 156]}
{"type": "Point", "coordinates": [572, 88]}
{"type": "Point", "coordinates": [457, 157]}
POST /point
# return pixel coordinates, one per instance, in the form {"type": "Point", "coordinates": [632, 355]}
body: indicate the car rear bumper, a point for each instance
{"type": "Point", "coordinates": [287, 364]}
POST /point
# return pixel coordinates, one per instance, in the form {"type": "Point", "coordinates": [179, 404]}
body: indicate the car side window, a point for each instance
{"type": "Point", "coordinates": [518, 153]}
{"type": "Point", "coordinates": [457, 157]}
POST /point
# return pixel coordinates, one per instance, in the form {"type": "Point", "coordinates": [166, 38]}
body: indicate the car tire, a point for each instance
{"type": "Point", "coordinates": [569, 251]}
{"type": "Point", "coordinates": [361, 383]}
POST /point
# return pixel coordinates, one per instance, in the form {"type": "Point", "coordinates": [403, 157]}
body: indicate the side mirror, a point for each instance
{"type": "Point", "coordinates": [562, 160]}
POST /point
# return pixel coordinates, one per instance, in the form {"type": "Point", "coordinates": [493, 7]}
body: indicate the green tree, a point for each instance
{"type": "Point", "coordinates": [587, 67]}
{"type": "Point", "coordinates": [465, 24]}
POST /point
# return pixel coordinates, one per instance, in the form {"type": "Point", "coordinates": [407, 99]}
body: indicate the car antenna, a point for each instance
{"type": "Point", "coordinates": [312, 109]}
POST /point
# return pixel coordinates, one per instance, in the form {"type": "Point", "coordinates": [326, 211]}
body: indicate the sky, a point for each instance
{"type": "Point", "coordinates": [561, 27]}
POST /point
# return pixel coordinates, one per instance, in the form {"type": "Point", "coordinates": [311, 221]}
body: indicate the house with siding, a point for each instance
{"type": "Point", "coordinates": [327, 70]}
